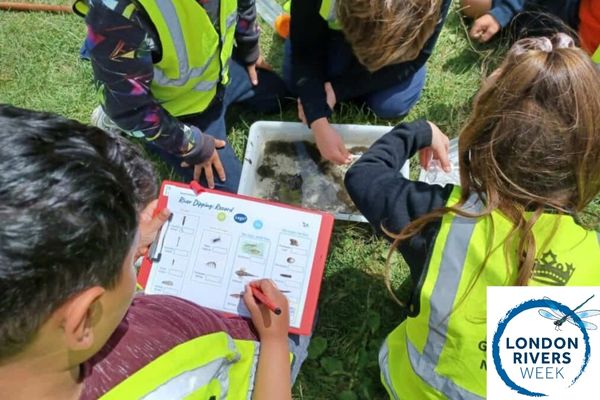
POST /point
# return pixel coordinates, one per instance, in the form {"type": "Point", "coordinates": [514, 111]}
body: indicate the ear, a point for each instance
{"type": "Point", "coordinates": [78, 318]}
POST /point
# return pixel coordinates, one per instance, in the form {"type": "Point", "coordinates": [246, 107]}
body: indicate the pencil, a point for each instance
{"type": "Point", "coordinates": [265, 300]}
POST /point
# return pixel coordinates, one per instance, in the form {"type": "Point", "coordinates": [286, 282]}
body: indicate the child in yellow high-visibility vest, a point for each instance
{"type": "Point", "coordinates": [70, 325]}
{"type": "Point", "coordinates": [529, 158]}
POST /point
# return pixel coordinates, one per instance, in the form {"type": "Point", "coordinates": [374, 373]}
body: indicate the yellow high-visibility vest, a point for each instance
{"type": "Point", "coordinates": [596, 56]}
{"type": "Point", "coordinates": [195, 55]}
{"type": "Point", "coordinates": [328, 11]}
{"type": "Point", "coordinates": [213, 366]}
{"type": "Point", "coordinates": [439, 353]}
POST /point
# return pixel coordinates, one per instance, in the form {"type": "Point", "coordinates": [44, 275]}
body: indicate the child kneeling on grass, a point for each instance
{"type": "Point", "coordinates": [70, 325]}
{"type": "Point", "coordinates": [371, 50]}
{"type": "Point", "coordinates": [529, 165]}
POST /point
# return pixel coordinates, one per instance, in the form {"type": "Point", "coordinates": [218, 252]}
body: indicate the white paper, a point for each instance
{"type": "Point", "coordinates": [214, 245]}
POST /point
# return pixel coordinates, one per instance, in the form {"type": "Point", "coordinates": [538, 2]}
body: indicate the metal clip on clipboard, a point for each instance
{"type": "Point", "coordinates": [156, 249]}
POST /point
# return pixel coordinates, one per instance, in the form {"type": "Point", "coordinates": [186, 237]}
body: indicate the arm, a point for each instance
{"type": "Point", "coordinates": [273, 374]}
{"type": "Point", "coordinates": [309, 36]}
{"type": "Point", "coordinates": [386, 198]}
{"type": "Point", "coordinates": [124, 85]}
{"type": "Point", "coordinates": [488, 25]}
{"type": "Point", "coordinates": [503, 11]}
{"type": "Point", "coordinates": [358, 81]}
{"type": "Point", "coordinates": [273, 380]}
{"type": "Point", "coordinates": [381, 193]}
{"type": "Point", "coordinates": [247, 32]}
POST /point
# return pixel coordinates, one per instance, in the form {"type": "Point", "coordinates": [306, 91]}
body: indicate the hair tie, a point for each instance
{"type": "Point", "coordinates": [562, 40]}
{"type": "Point", "coordinates": [558, 41]}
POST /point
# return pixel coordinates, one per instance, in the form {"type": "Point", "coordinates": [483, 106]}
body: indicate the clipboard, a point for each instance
{"type": "Point", "coordinates": [216, 242]}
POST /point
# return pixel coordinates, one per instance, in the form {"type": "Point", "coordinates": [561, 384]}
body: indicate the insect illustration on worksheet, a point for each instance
{"type": "Point", "coordinates": [559, 317]}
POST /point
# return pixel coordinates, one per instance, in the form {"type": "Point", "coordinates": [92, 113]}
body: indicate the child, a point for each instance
{"type": "Point", "coordinates": [373, 50]}
{"type": "Point", "coordinates": [541, 17]}
{"type": "Point", "coordinates": [168, 70]}
{"type": "Point", "coordinates": [529, 165]}
{"type": "Point", "coordinates": [68, 326]}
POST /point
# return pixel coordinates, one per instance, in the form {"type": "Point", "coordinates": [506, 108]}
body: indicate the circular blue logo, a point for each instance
{"type": "Point", "coordinates": [526, 344]}
{"type": "Point", "coordinates": [240, 218]}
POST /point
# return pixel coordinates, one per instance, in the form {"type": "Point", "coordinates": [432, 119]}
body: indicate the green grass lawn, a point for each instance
{"type": "Point", "coordinates": [40, 69]}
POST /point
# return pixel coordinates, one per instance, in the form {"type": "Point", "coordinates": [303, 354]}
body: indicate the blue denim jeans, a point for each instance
{"type": "Point", "coordinates": [264, 98]}
{"type": "Point", "coordinates": [299, 348]}
{"type": "Point", "coordinates": [391, 102]}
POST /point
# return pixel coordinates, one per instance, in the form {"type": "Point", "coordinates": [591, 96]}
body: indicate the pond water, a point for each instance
{"type": "Point", "coordinates": [294, 173]}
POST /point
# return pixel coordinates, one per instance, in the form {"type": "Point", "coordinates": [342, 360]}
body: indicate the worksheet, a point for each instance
{"type": "Point", "coordinates": [215, 243]}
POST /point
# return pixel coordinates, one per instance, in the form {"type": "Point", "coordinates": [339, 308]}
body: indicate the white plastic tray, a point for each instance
{"type": "Point", "coordinates": [262, 132]}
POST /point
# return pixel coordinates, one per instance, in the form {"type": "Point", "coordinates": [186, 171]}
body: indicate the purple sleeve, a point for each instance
{"type": "Point", "coordinates": [153, 325]}
{"type": "Point", "coordinates": [121, 56]}
{"type": "Point", "coordinates": [247, 32]}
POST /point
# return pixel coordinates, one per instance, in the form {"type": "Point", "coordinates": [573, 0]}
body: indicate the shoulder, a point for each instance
{"type": "Point", "coordinates": [152, 326]}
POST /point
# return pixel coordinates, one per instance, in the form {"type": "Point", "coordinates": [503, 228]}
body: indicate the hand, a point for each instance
{"type": "Point", "coordinates": [438, 149]}
{"type": "Point", "coordinates": [150, 224]}
{"type": "Point", "coordinates": [330, 143]}
{"type": "Point", "coordinates": [207, 166]}
{"type": "Point", "coordinates": [270, 327]}
{"type": "Point", "coordinates": [484, 28]}
{"type": "Point", "coordinates": [260, 63]}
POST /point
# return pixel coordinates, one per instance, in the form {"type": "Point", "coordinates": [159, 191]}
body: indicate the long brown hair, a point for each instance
{"type": "Point", "coordinates": [531, 143]}
{"type": "Point", "coordinates": [385, 32]}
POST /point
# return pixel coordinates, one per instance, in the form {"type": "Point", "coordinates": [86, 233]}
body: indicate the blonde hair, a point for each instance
{"type": "Point", "coordinates": [386, 32]}
{"type": "Point", "coordinates": [531, 144]}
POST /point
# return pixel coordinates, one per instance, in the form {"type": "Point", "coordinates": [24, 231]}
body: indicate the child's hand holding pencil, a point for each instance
{"type": "Point", "coordinates": [269, 309]}
{"type": "Point", "coordinates": [263, 300]}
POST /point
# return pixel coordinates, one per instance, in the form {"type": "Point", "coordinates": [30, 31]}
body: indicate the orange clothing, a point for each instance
{"type": "Point", "coordinates": [589, 25]}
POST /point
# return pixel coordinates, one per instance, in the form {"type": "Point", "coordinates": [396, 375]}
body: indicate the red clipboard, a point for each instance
{"type": "Point", "coordinates": [319, 259]}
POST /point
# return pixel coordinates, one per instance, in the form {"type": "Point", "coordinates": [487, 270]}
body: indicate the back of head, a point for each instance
{"type": "Point", "coordinates": [531, 143]}
{"type": "Point", "coordinates": [68, 212]}
{"type": "Point", "coordinates": [533, 138]}
{"type": "Point", "coordinates": [386, 32]}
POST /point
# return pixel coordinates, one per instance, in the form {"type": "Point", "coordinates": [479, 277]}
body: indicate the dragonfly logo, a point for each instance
{"type": "Point", "coordinates": [560, 318]}
{"type": "Point", "coordinates": [541, 345]}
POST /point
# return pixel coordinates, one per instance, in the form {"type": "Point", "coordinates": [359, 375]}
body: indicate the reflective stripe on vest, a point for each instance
{"type": "Point", "coordinates": [194, 57]}
{"type": "Point", "coordinates": [443, 297]}
{"type": "Point", "coordinates": [435, 355]}
{"type": "Point", "coordinates": [207, 366]}
{"type": "Point", "coordinates": [328, 11]}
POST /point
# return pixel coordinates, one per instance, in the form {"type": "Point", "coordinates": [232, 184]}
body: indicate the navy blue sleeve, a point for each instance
{"type": "Point", "coordinates": [504, 10]}
{"type": "Point", "coordinates": [309, 36]}
{"type": "Point", "coordinates": [379, 190]}
{"type": "Point", "coordinates": [388, 199]}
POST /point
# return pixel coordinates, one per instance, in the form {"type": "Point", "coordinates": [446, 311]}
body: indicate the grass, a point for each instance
{"type": "Point", "coordinates": [40, 69]}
